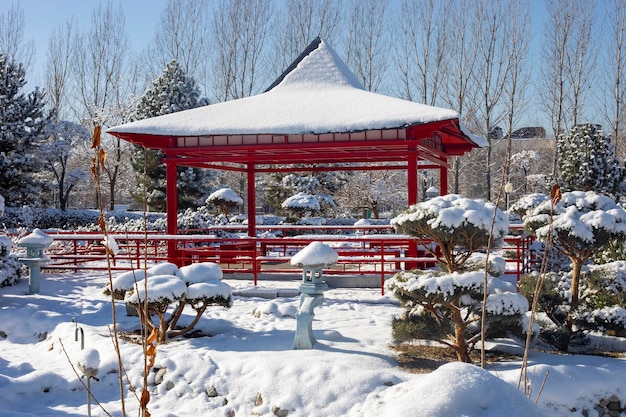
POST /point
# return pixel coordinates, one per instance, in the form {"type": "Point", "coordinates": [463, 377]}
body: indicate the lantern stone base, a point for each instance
{"type": "Point", "coordinates": [312, 295]}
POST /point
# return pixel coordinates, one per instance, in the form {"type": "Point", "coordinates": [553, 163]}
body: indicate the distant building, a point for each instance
{"type": "Point", "coordinates": [529, 132]}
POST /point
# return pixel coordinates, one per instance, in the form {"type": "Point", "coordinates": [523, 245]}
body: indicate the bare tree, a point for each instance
{"type": "Point", "coordinates": [494, 57]}
{"type": "Point", "coordinates": [61, 47]}
{"type": "Point", "coordinates": [581, 57]}
{"type": "Point", "coordinates": [183, 35]}
{"type": "Point", "coordinates": [301, 22]}
{"type": "Point", "coordinates": [459, 65]}
{"type": "Point", "coordinates": [241, 29]}
{"type": "Point", "coordinates": [518, 77]}
{"type": "Point", "coordinates": [422, 42]}
{"type": "Point", "coordinates": [12, 42]}
{"type": "Point", "coordinates": [616, 72]}
{"type": "Point", "coordinates": [569, 52]}
{"type": "Point", "coordinates": [99, 74]}
{"type": "Point", "coordinates": [367, 48]}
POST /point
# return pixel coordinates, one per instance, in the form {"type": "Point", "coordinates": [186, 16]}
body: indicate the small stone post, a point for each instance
{"type": "Point", "coordinates": [312, 259]}
{"type": "Point", "coordinates": [35, 243]}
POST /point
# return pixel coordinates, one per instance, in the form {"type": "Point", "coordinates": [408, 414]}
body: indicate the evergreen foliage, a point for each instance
{"type": "Point", "coordinates": [580, 225]}
{"type": "Point", "coordinates": [459, 226]}
{"type": "Point", "coordinates": [447, 308]}
{"type": "Point", "coordinates": [173, 91]}
{"type": "Point", "coordinates": [322, 185]}
{"type": "Point", "coordinates": [23, 127]}
{"type": "Point", "coordinates": [587, 162]}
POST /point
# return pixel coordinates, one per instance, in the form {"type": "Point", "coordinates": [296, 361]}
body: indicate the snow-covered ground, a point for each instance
{"type": "Point", "coordinates": [247, 367]}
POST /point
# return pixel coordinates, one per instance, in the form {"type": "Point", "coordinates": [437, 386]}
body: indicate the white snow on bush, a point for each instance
{"type": "Point", "coordinates": [163, 268]}
{"type": "Point", "coordinates": [445, 284]}
{"type": "Point", "coordinates": [315, 254]}
{"type": "Point", "coordinates": [225, 194]}
{"type": "Point", "coordinates": [507, 303]}
{"type": "Point", "coordinates": [160, 288]}
{"type": "Point", "coordinates": [209, 289]}
{"type": "Point", "coordinates": [200, 272]}
{"type": "Point", "coordinates": [126, 280]}
{"type": "Point", "coordinates": [453, 211]}
{"type": "Point", "coordinates": [582, 214]}
{"type": "Point", "coordinates": [301, 201]}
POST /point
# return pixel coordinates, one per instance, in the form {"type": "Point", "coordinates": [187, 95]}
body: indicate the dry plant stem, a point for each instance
{"type": "Point", "coordinates": [98, 165]}
{"type": "Point", "coordinates": [80, 378]}
{"type": "Point", "coordinates": [147, 360]}
{"type": "Point", "coordinates": [543, 384]}
{"type": "Point", "coordinates": [533, 311]}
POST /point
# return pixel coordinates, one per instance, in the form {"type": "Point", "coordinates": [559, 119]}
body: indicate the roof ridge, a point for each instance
{"type": "Point", "coordinates": [310, 48]}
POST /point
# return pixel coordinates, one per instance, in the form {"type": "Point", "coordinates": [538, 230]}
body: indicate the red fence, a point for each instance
{"type": "Point", "coordinates": [365, 251]}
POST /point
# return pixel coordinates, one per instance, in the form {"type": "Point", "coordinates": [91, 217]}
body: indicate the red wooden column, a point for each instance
{"type": "Point", "coordinates": [412, 191]}
{"type": "Point", "coordinates": [443, 179]}
{"type": "Point", "coordinates": [171, 206]}
{"type": "Point", "coordinates": [251, 200]}
{"type": "Point", "coordinates": [251, 177]}
{"type": "Point", "coordinates": [412, 188]}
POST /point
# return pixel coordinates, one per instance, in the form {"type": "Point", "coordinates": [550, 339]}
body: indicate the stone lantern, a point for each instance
{"type": "Point", "coordinates": [35, 243]}
{"type": "Point", "coordinates": [313, 259]}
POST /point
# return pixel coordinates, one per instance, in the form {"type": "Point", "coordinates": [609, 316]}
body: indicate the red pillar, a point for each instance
{"type": "Point", "coordinates": [251, 201]}
{"type": "Point", "coordinates": [412, 199]}
{"type": "Point", "coordinates": [171, 205]}
{"type": "Point", "coordinates": [443, 180]}
{"type": "Point", "coordinates": [412, 177]}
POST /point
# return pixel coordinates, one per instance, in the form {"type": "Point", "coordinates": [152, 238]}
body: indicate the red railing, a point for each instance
{"type": "Point", "coordinates": [365, 251]}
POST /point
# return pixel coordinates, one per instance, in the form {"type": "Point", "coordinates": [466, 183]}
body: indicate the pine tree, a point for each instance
{"type": "Point", "coordinates": [23, 126]}
{"type": "Point", "coordinates": [173, 91]}
{"type": "Point", "coordinates": [587, 162]}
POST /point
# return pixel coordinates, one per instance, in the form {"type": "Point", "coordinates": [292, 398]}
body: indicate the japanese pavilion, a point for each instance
{"type": "Point", "coordinates": [316, 113]}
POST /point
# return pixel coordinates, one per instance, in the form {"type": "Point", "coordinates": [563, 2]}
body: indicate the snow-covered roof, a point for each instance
{"type": "Point", "coordinates": [317, 94]}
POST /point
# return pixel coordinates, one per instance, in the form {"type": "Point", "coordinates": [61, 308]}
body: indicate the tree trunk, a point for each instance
{"type": "Point", "coordinates": [460, 345]}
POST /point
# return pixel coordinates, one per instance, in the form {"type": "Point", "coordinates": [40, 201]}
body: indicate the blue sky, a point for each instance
{"type": "Point", "coordinates": [42, 17]}
{"type": "Point", "coordinates": [142, 16]}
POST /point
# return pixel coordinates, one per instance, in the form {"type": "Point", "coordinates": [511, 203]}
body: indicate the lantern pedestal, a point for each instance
{"type": "Point", "coordinates": [311, 296]}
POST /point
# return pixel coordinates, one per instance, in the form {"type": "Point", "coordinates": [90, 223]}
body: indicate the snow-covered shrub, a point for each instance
{"type": "Point", "coordinates": [197, 285]}
{"type": "Point", "coordinates": [459, 226]}
{"type": "Point", "coordinates": [195, 220]}
{"type": "Point", "coordinates": [527, 203]}
{"type": "Point", "coordinates": [587, 162]}
{"type": "Point", "coordinates": [582, 224]}
{"type": "Point", "coordinates": [10, 267]}
{"type": "Point", "coordinates": [301, 205]}
{"type": "Point", "coordinates": [496, 266]}
{"type": "Point", "coordinates": [601, 306]}
{"type": "Point", "coordinates": [226, 201]}
{"type": "Point", "coordinates": [446, 307]}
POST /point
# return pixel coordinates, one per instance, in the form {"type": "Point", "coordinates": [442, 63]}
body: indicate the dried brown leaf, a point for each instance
{"type": "Point", "coordinates": [145, 398]}
{"type": "Point", "coordinates": [102, 157]}
{"type": "Point", "coordinates": [153, 336]}
{"type": "Point", "coordinates": [97, 130]}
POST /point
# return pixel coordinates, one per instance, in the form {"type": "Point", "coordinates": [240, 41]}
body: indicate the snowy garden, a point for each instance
{"type": "Point", "coordinates": [457, 324]}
